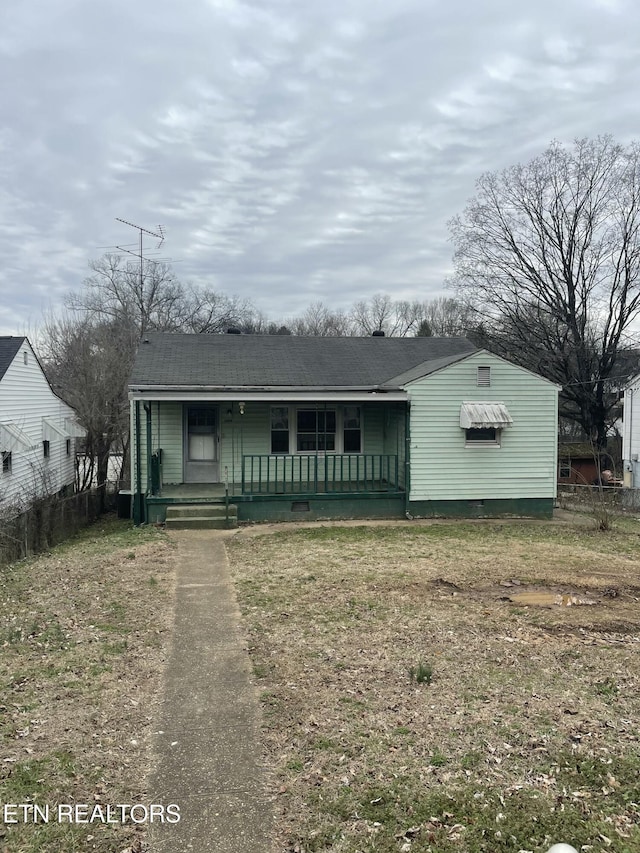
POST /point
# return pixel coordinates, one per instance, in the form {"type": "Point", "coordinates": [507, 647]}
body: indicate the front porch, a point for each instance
{"type": "Point", "coordinates": [270, 459]}
{"type": "Point", "coordinates": [284, 486]}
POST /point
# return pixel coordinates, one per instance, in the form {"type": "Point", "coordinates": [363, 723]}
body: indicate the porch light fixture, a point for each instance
{"type": "Point", "coordinates": [241, 407]}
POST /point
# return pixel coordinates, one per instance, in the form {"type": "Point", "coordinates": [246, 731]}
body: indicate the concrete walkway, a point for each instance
{"type": "Point", "coordinates": [206, 747]}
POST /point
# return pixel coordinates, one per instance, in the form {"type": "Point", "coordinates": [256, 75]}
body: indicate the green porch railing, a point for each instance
{"type": "Point", "coordinates": [275, 474]}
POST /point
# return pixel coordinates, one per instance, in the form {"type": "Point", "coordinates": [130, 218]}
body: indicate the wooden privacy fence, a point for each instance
{"type": "Point", "coordinates": [46, 522]}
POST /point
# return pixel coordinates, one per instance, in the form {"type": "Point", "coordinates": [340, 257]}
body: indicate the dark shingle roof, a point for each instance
{"type": "Point", "coordinates": [9, 346]}
{"type": "Point", "coordinates": [287, 360]}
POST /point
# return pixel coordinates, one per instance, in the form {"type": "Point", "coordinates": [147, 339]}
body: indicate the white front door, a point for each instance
{"type": "Point", "coordinates": [201, 444]}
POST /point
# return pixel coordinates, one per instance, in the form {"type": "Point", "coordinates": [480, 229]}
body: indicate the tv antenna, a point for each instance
{"type": "Point", "coordinates": [159, 236]}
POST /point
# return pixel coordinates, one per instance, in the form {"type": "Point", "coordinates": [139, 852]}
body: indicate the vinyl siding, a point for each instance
{"type": "Point", "coordinates": [523, 466]}
{"type": "Point", "coordinates": [393, 432]}
{"type": "Point", "coordinates": [251, 433]}
{"type": "Point", "coordinates": [25, 399]}
{"type": "Point", "coordinates": [246, 435]}
{"type": "Point", "coordinates": [631, 434]}
{"type": "Point", "coordinates": [167, 435]}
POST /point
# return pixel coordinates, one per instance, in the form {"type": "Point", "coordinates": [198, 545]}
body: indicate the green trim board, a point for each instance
{"type": "Point", "coordinates": [314, 508]}
{"type": "Point", "coordinates": [318, 509]}
{"type": "Point", "coordinates": [295, 507]}
{"type": "Point", "coordinates": [488, 508]}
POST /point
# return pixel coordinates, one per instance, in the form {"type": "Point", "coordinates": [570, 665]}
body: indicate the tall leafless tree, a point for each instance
{"type": "Point", "coordinates": [321, 321]}
{"type": "Point", "coordinates": [89, 352]}
{"type": "Point", "coordinates": [88, 361]}
{"type": "Point", "coordinates": [152, 299]}
{"type": "Point", "coordinates": [548, 255]}
{"type": "Point", "coordinates": [445, 317]}
{"type": "Point", "coordinates": [397, 318]}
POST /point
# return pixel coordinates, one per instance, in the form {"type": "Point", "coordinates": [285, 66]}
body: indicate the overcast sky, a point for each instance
{"type": "Point", "coordinates": [293, 150]}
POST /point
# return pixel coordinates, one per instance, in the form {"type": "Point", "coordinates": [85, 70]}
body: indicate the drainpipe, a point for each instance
{"type": "Point", "coordinates": [407, 458]}
{"type": "Point", "coordinates": [138, 514]}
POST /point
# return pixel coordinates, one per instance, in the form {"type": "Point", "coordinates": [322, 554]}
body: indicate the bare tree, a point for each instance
{"type": "Point", "coordinates": [258, 324]}
{"type": "Point", "coordinates": [89, 352]}
{"type": "Point", "coordinates": [548, 255]}
{"type": "Point", "coordinates": [207, 311]}
{"type": "Point", "coordinates": [116, 291]}
{"type": "Point", "coordinates": [381, 313]}
{"type": "Point", "coordinates": [321, 321]}
{"type": "Point", "coordinates": [445, 317]}
{"type": "Point", "coordinates": [88, 362]}
{"type": "Point", "coordinates": [152, 299]}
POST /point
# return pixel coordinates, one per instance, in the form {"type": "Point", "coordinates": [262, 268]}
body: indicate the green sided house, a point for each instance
{"type": "Point", "coordinates": [283, 427]}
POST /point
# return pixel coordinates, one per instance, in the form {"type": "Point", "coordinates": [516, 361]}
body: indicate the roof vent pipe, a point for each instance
{"type": "Point", "coordinates": [233, 330]}
{"type": "Point", "coordinates": [377, 333]}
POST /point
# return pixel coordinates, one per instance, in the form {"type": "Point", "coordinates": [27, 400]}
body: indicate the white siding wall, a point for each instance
{"type": "Point", "coordinates": [631, 435]}
{"type": "Point", "coordinates": [523, 466]}
{"type": "Point", "coordinates": [25, 398]}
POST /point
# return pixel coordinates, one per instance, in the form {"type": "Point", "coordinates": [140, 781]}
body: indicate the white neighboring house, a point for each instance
{"type": "Point", "coordinates": [37, 428]}
{"type": "Point", "coordinates": [631, 434]}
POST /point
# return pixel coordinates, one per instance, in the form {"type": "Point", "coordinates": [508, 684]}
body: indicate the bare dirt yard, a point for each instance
{"type": "Point", "coordinates": [84, 632]}
{"type": "Point", "coordinates": [447, 686]}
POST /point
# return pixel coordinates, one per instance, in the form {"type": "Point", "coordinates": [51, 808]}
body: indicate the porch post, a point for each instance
{"type": "Point", "coordinates": [407, 456]}
{"type": "Point", "coordinates": [147, 409]}
{"type": "Point", "coordinates": [138, 503]}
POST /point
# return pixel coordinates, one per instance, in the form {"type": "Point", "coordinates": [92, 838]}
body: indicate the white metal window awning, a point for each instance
{"type": "Point", "coordinates": [11, 436]}
{"type": "Point", "coordinates": [484, 415]}
{"type": "Point", "coordinates": [52, 430]}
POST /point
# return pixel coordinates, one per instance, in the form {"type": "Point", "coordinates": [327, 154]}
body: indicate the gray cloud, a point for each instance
{"type": "Point", "coordinates": [293, 151]}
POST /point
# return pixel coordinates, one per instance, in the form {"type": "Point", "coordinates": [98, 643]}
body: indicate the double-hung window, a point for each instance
{"type": "Point", "coordinates": [352, 435]}
{"type": "Point", "coordinates": [279, 429]}
{"type": "Point", "coordinates": [316, 430]}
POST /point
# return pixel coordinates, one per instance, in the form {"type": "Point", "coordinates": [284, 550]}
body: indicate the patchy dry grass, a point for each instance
{"type": "Point", "coordinates": [83, 634]}
{"type": "Point", "coordinates": [521, 730]}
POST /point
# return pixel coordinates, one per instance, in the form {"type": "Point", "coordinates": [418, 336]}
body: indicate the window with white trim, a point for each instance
{"type": "Point", "coordinates": [279, 429]}
{"type": "Point", "coordinates": [316, 430]}
{"type": "Point", "coordinates": [6, 461]}
{"type": "Point", "coordinates": [46, 449]}
{"type": "Point", "coordinates": [483, 437]}
{"type": "Point", "coordinates": [352, 432]}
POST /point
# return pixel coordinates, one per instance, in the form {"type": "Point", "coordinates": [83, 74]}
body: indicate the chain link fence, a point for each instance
{"type": "Point", "coordinates": [617, 499]}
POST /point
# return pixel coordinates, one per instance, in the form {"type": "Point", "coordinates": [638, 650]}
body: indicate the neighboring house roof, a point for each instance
{"type": "Point", "coordinates": [259, 361]}
{"type": "Point", "coordinates": [9, 346]}
{"type": "Point", "coordinates": [577, 450]}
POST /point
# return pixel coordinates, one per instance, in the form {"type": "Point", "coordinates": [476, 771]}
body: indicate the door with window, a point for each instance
{"type": "Point", "coordinates": [201, 463]}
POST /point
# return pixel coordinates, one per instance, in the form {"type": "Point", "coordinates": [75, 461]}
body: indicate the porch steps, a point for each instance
{"type": "Point", "coordinates": [201, 516]}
